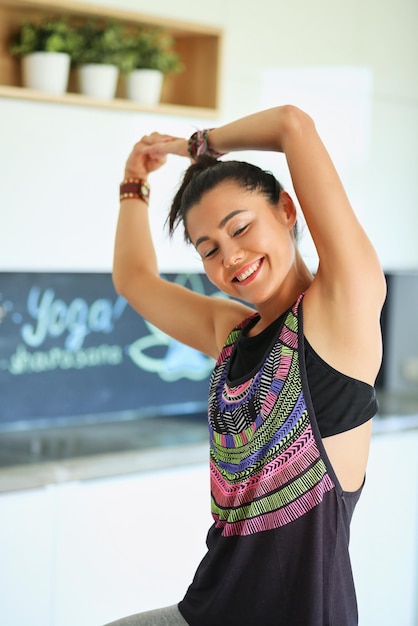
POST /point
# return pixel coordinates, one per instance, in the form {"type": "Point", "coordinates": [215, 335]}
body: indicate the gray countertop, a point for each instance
{"type": "Point", "coordinates": [30, 459]}
{"type": "Point", "coordinates": [33, 459]}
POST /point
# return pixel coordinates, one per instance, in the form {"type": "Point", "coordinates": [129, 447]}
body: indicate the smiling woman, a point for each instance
{"type": "Point", "coordinates": [249, 252]}
{"type": "Point", "coordinates": [291, 395]}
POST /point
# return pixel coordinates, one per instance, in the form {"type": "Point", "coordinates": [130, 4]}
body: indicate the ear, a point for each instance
{"type": "Point", "coordinates": [288, 209]}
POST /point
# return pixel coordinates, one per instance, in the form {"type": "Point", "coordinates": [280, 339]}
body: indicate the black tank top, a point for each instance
{"type": "Point", "coordinates": [339, 401]}
{"type": "Point", "coordinates": [278, 548]}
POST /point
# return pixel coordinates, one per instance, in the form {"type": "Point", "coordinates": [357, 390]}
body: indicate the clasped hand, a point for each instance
{"type": "Point", "coordinates": [150, 153]}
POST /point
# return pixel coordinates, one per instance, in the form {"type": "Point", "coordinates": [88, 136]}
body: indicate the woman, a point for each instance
{"type": "Point", "coordinates": [291, 397]}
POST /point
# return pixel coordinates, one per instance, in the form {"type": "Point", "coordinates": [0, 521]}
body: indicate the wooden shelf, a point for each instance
{"type": "Point", "coordinates": [193, 92]}
{"type": "Point", "coordinates": [117, 104]}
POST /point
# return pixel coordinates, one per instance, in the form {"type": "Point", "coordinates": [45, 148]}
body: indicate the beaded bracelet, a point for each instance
{"type": "Point", "coordinates": [137, 188]}
{"type": "Point", "coordinates": [198, 145]}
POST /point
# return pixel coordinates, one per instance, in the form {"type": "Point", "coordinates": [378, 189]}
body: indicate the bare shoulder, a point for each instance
{"type": "Point", "coordinates": [342, 323]}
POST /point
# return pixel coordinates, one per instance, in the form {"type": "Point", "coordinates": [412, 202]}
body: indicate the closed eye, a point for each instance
{"type": "Point", "coordinates": [239, 231]}
{"type": "Point", "coordinates": [209, 253]}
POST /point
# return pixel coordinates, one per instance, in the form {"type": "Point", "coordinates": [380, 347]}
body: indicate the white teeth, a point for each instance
{"type": "Point", "coordinates": [248, 272]}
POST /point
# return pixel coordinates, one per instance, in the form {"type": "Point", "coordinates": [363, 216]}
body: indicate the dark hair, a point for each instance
{"type": "Point", "coordinates": [206, 173]}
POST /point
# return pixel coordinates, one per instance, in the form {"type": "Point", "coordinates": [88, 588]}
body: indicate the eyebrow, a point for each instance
{"type": "Point", "coordinates": [222, 224]}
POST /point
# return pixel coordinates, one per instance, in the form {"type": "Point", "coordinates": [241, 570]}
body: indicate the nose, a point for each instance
{"type": "Point", "coordinates": [232, 254]}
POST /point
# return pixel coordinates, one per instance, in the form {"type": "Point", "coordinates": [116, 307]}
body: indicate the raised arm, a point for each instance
{"type": "Point", "coordinates": [349, 287]}
{"type": "Point", "coordinates": [345, 252]}
{"type": "Point", "coordinates": [196, 320]}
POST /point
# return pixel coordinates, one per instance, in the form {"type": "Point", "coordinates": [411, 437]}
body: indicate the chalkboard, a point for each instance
{"type": "Point", "coordinates": [71, 349]}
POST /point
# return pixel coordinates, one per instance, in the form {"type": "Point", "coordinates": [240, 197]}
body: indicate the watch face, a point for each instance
{"type": "Point", "coordinates": [145, 190]}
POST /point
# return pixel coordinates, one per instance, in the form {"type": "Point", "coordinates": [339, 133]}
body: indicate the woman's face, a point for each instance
{"type": "Point", "coordinates": [246, 244]}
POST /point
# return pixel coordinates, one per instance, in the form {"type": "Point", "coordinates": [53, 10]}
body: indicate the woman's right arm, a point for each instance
{"type": "Point", "coordinates": [199, 321]}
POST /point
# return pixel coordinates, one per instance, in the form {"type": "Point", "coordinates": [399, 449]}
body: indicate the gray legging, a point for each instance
{"type": "Point", "coordinates": [168, 616]}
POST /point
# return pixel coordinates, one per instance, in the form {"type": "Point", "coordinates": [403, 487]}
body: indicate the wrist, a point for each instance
{"type": "Point", "coordinates": [136, 175]}
{"type": "Point", "coordinates": [134, 188]}
{"type": "Point", "coordinates": [198, 145]}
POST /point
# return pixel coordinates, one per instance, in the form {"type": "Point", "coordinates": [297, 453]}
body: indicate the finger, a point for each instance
{"type": "Point", "coordinates": [140, 145]}
{"type": "Point", "coordinates": [155, 137]}
{"type": "Point", "coordinates": [174, 146]}
{"type": "Point", "coordinates": [162, 136]}
{"type": "Point", "coordinates": [156, 150]}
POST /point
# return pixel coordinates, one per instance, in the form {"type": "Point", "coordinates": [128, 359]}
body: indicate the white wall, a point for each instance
{"type": "Point", "coordinates": [60, 165]}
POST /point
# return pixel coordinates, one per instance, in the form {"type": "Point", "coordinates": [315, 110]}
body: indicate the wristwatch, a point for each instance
{"type": "Point", "coordinates": [134, 188]}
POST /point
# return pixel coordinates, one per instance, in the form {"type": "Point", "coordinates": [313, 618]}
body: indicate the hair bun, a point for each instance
{"type": "Point", "coordinates": [202, 163]}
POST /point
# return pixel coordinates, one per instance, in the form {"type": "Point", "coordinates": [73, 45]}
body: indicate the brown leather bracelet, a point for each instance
{"type": "Point", "coordinates": [137, 188]}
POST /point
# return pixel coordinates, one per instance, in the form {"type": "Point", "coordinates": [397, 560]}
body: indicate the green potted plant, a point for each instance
{"type": "Point", "coordinates": [148, 57]}
{"type": "Point", "coordinates": [45, 49]}
{"type": "Point", "coordinates": [98, 58]}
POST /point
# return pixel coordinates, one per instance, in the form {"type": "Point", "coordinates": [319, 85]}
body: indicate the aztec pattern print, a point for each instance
{"type": "Point", "coordinates": [266, 467]}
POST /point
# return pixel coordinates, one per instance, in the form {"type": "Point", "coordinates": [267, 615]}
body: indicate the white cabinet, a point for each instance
{"type": "Point", "coordinates": [86, 553]}
{"type": "Point", "coordinates": [89, 552]}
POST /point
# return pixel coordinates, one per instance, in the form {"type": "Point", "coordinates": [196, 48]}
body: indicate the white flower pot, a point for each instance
{"type": "Point", "coordinates": [144, 86]}
{"type": "Point", "coordinates": [46, 71]}
{"type": "Point", "coordinates": [98, 80]}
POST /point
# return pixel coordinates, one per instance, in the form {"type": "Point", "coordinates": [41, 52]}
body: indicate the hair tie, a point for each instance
{"type": "Point", "coordinates": [198, 145]}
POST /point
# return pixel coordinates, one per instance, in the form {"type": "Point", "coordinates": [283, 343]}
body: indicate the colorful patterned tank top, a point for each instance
{"type": "Point", "coordinates": [278, 548]}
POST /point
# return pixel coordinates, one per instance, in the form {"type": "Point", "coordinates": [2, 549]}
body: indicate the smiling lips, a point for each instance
{"type": "Point", "coordinates": [248, 272]}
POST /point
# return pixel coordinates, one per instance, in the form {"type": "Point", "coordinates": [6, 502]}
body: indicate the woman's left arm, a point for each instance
{"type": "Point", "coordinates": [345, 252]}
{"type": "Point", "coordinates": [349, 287]}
